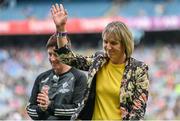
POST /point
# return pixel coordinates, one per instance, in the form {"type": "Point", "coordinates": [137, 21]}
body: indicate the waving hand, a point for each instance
{"type": "Point", "coordinates": [59, 15]}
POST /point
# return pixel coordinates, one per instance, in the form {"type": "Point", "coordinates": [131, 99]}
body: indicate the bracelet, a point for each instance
{"type": "Point", "coordinates": [61, 34]}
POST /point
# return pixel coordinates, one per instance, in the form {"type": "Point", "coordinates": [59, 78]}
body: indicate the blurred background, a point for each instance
{"type": "Point", "coordinates": [26, 25]}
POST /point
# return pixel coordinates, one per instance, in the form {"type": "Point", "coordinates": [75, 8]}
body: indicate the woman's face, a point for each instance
{"type": "Point", "coordinates": [114, 48]}
{"type": "Point", "coordinates": [53, 58]}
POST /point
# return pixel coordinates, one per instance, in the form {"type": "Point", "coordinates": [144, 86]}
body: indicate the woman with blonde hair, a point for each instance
{"type": "Point", "coordinates": [117, 83]}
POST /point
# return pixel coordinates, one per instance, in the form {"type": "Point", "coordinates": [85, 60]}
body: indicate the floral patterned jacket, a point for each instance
{"type": "Point", "coordinates": [133, 90]}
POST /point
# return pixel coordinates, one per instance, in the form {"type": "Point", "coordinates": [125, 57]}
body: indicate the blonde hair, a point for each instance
{"type": "Point", "coordinates": [121, 33]}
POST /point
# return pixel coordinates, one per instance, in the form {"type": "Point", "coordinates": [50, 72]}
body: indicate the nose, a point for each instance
{"type": "Point", "coordinates": [52, 58]}
{"type": "Point", "coordinates": [108, 46]}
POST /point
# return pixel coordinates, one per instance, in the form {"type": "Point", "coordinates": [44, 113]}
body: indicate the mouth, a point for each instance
{"type": "Point", "coordinates": [54, 64]}
{"type": "Point", "coordinates": [110, 53]}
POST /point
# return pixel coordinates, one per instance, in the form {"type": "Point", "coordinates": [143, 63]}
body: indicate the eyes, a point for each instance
{"type": "Point", "coordinates": [111, 42]}
{"type": "Point", "coordinates": [52, 54]}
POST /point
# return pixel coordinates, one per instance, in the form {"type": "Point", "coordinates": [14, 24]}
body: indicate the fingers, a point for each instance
{"type": "Point", "coordinates": [42, 98]}
{"type": "Point", "coordinates": [62, 8]}
{"type": "Point", "coordinates": [57, 8]}
{"type": "Point", "coordinates": [42, 102]}
{"type": "Point", "coordinates": [66, 13]}
{"type": "Point", "coordinates": [53, 9]}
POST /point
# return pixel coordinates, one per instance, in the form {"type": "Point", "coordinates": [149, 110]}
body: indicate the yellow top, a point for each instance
{"type": "Point", "coordinates": [107, 106]}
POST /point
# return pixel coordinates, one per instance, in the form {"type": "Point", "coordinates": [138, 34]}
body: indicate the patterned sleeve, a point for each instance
{"type": "Point", "coordinates": [140, 94]}
{"type": "Point", "coordinates": [67, 56]}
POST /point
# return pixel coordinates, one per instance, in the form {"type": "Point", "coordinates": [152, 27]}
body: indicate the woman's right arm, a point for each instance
{"type": "Point", "coordinates": [67, 56]}
{"type": "Point", "coordinates": [59, 15]}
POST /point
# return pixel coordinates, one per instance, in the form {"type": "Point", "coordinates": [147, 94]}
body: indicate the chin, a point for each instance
{"type": "Point", "coordinates": [54, 68]}
{"type": "Point", "coordinates": [110, 55]}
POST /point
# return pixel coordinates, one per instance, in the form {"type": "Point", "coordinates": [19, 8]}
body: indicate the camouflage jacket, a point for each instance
{"type": "Point", "coordinates": [133, 90]}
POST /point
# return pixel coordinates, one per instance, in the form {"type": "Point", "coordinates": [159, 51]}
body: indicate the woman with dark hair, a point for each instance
{"type": "Point", "coordinates": [58, 92]}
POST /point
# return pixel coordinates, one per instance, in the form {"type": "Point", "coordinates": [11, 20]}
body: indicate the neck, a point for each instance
{"type": "Point", "coordinates": [119, 60]}
{"type": "Point", "coordinates": [62, 69]}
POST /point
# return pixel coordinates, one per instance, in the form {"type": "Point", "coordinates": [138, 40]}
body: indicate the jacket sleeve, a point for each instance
{"type": "Point", "coordinates": [32, 108]}
{"type": "Point", "coordinates": [140, 95]}
{"type": "Point", "coordinates": [67, 56]}
{"type": "Point", "coordinates": [68, 110]}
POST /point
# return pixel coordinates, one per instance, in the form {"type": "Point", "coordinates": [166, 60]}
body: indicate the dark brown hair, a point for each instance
{"type": "Point", "coordinates": [52, 42]}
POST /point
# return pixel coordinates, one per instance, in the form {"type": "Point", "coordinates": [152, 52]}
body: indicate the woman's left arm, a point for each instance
{"type": "Point", "coordinates": [140, 96]}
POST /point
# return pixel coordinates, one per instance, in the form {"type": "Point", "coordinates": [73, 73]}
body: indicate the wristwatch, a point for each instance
{"type": "Point", "coordinates": [61, 34]}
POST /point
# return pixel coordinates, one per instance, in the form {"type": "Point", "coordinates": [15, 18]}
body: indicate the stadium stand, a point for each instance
{"type": "Point", "coordinates": [149, 8]}
{"type": "Point", "coordinates": [40, 10]}
{"type": "Point", "coordinates": [83, 9]}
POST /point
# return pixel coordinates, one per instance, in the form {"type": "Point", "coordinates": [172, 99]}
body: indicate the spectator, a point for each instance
{"type": "Point", "coordinates": [58, 92]}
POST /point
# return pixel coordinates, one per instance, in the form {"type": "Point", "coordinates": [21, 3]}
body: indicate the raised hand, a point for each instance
{"type": "Point", "coordinates": [59, 15]}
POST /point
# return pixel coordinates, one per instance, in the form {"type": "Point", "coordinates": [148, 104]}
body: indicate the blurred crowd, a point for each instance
{"type": "Point", "coordinates": [20, 66]}
{"type": "Point", "coordinates": [164, 72]}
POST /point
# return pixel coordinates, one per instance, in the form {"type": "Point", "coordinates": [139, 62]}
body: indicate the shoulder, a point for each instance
{"type": "Point", "coordinates": [137, 64]}
{"type": "Point", "coordinates": [76, 72]}
{"type": "Point", "coordinates": [44, 74]}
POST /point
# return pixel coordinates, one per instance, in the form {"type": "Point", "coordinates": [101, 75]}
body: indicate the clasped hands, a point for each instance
{"type": "Point", "coordinates": [43, 100]}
